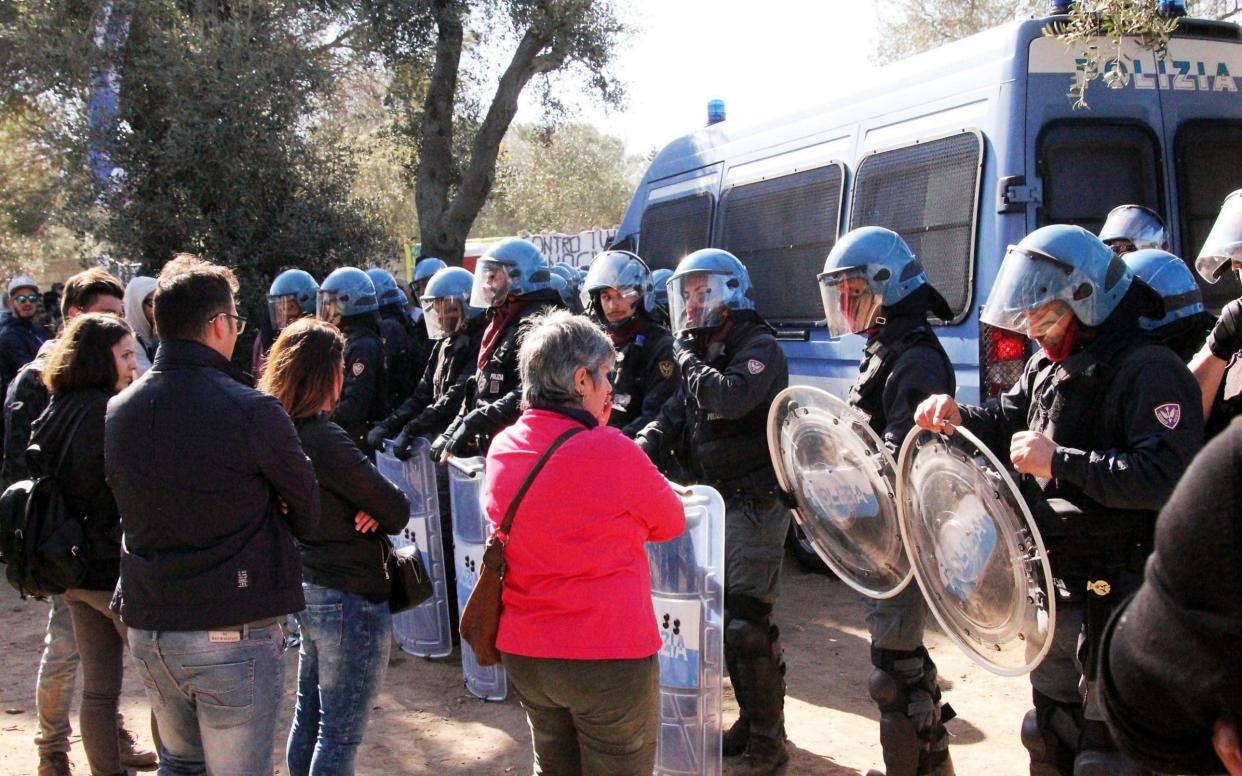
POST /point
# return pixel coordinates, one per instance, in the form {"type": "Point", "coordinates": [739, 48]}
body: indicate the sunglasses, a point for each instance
{"type": "Point", "coordinates": [23, 298]}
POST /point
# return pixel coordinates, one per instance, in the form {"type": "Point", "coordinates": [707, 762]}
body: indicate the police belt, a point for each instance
{"type": "Point", "coordinates": [758, 483]}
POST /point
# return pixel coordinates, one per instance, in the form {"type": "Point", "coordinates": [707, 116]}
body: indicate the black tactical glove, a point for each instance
{"type": "Point", "coordinates": [464, 431]}
{"type": "Point", "coordinates": [401, 446]}
{"type": "Point", "coordinates": [375, 437]}
{"type": "Point", "coordinates": [438, 447]}
{"type": "Point", "coordinates": [683, 351]}
{"type": "Point", "coordinates": [1226, 337]}
{"type": "Point", "coordinates": [647, 446]}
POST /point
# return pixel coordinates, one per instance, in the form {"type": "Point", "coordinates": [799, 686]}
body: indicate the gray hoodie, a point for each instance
{"type": "Point", "coordinates": [139, 289]}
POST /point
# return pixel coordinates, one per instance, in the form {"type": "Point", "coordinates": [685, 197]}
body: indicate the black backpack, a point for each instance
{"type": "Point", "coordinates": [41, 541]}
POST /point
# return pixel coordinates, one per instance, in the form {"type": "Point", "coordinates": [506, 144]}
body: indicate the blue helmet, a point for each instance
{"type": "Point", "coordinates": [659, 281]}
{"type": "Point", "coordinates": [626, 274]}
{"type": "Point", "coordinates": [386, 290]}
{"type": "Point", "coordinates": [705, 284]}
{"type": "Point", "coordinates": [511, 267]}
{"type": "Point", "coordinates": [870, 268]}
{"type": "Point", "coordinates": [562, 287]}
{"type": "Point", "coordinates": [568, 273]}
{"type": "Point", "coordinates": [1172, 281]}
{"type": "Point", "coordinates": [427, 267]}
{"type": "Point", "coordinates": [292, 295]}
{"type": "Point", "coordinates": [446, 301]}
{"type": "Point", "coordinates": [347, 291]}
{"type": "Point", "coordinates": [1058, 263]}
{"type": "Point", "coordinates": [1134, 228]}
{"type": "Point", "coordinates": [1223, 246]}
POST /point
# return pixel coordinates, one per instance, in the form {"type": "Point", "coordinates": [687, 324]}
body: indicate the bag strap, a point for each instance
{"type": "Point", "coordinates": [505, 525]}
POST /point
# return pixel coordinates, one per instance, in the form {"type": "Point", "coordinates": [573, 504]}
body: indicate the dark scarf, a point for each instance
{"type": "Point", "coordinates": [504, 315]}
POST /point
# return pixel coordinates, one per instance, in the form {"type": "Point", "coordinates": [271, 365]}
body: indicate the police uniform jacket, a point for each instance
{"type": "Point", "coordinates": [715, 424]}
{"type": "Point", "coordinates": [438, 397]}
{"type": "Point", "coordinates": [902, 365]}
{"type": "Point", "coordinates": [364, 397]}
{"type": "Point", "coordinates": [398, 353]}
{"type": "Point", "coordinates": [646, 375]}
{"type": "Point", "coordinates": [1127, 419]}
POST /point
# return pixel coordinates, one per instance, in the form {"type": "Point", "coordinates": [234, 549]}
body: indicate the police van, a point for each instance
{"type": "Point", "coordinates": [962, 150]}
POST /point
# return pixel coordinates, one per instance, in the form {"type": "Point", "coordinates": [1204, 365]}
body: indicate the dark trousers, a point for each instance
{"type": "Point", "coordinates": [596, 717]}
{"type": "Point", "coordinates": [101, 643]}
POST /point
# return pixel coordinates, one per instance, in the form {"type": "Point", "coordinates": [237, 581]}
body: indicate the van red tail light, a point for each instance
{"type": "Point", "coordinates": [1002, 356]}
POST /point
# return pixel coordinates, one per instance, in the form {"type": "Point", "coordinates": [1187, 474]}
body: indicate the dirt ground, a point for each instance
{"type": "Point", "coordinates": [426, 723]}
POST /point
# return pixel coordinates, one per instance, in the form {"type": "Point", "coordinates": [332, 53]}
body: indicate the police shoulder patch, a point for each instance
{"type": "Point", "coordinates": [666, 369]}
{"type": "Point", "coordinates": [1169, 415]}
{"type": "Point", "coordinates": [358, 368]}
{"type": "Point", "coordinates": [754, 366]}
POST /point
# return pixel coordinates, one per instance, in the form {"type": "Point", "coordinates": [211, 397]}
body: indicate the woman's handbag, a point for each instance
{"type": "Point", "coordinates": [480, 620]}
{"type": "Point", "coordinates": [410, 583]}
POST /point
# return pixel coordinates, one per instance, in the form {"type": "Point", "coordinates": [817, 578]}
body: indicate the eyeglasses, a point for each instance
{"type": "Point", "coordinates": [241, 322]}
{"type": "Point", "coordinates": [23, 298]}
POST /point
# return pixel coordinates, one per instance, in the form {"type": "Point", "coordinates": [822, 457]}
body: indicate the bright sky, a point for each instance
{"type": "Point", "coordinates": [762, 58]}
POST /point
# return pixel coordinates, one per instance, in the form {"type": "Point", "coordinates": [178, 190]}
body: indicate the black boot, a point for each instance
{"type": "Point", "coordinates": [733, 742]}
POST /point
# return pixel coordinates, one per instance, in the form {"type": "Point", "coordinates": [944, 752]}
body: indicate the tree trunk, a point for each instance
{"type": "Point", "coordinates": [436, 167]}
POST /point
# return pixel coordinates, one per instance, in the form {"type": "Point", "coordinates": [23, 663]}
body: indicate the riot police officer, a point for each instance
{"type": "Point", "coordinates": [397, 329]}
{"type": "Point", "coordinates": [1184, 323]}
{"type": "Point", "coordinates": [1134, 228]}
{"type": "Point", "coordinates": [1100, 427]}
{"type": "Point", "coordinates": [619, 296]}
{"type": "Point", "coordinates": [423, 272]}
{"type": "Point", "coordinates": [659, 280]}
{"type": "Point", "coordinates": [513, 283]}
{"type": "Point", "coordinates": [730, 369]}
{"type": "Point", "coordinates": [573, 284]}
{"type": "Point", "coordinates": [292, 295]}
{"type": "Point", "coordinates": [872, 284]}
{"type": "Point", "coordinates": [1217, 367]}
{"type": "Point", "coordinates": [347, 300]}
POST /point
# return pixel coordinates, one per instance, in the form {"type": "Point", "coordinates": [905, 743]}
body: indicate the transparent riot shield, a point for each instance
{"type": "Point", "coordinates": [424, 630]}
{"type": "Point", "coordinates": [470, 532]}
{"type": "Point", "coordinates": [687, 590]}
{"type": "Point", "coordinates": [977, 555]}
{"type": "Point", "coordinates": [844, 481]}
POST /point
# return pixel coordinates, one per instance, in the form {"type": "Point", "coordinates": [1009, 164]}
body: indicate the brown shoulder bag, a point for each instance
{"type": "Point", "coordinates": [480, 620]}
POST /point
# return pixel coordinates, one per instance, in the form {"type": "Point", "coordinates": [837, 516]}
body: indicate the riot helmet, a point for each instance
{"type": "Point", "coordinates": [1134, 228]}
{"type": "Point", "coordinates": [1056, 269]}
{"type": "Point", "coordinates": [869, 269]}
{"type": "Point", "coordinates": [1223, 246]}
{"type": "Point", "coordinates": [511, 267]}
{"type": "Point", "coordinates": [292, 295]}
{"type": "Point", "coordinates": [706, 284]}
{"type": "Point", "coordinates": [446, 302]}
{"type": "Point", "coordinates": [423, 271]}
{"type": "Point", "coordinates": [386, 290]}
{"type": "Point", "coordinates": [1171, 280]}
{"type": "Point", "coordinates": [617, 287]}
{"type": "Point", "coordinates": [563, 290]}
{"type": "Point", "coordinates": [568, 273]}
{"type": "Point", "coordinates": [347, 291]}
{"type": "Point", "coordinates": [659, 282]}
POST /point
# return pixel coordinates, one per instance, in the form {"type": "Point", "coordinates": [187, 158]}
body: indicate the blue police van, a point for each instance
{"type": "Point", "coordinates": [962, 150]}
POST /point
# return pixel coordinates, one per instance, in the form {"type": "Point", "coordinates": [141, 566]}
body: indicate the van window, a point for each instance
{"type": "Point", "coordinates": [1089, 169]}
{"type": "Point", "coordinates": [1209, 167]}
{"type": "Point", "coordinates": [781, 229]}
{"type": "Point", "coordinates": [671, 229]}
{"type": "Point", "coordinates": [929, 194]}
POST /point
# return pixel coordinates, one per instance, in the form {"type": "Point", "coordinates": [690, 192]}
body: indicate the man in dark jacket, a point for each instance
{"type": "Point", "coordinates": [212, 486]}
{"type": "Point", "coordinates": [347, 300]}
{"type": "Point", "coordinates": [20, 337]}
{"type": "Point", "coordinates": [513, 283]}
{"type": "Point", "coordinates": [1101, 426]}
{"type": "Point", "coordinates": [714, 426]}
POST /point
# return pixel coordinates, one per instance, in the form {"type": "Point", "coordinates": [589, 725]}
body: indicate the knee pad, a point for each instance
{"type": "Point", "coordinates": [748, 639]}
{"type": "Point", "coordinates": [889, 692]}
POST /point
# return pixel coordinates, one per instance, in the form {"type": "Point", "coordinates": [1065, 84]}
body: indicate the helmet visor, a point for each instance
{"type": "Point", "coordinates": [1224, 243]}
{"type": "Point", "coordinates": [1135, 226]}
{"type": "Point", "coordinates": [284, 310]}
{"type": "Point", "coordinates": [1026, 288]}
{"type": "Point", "coordinates": [327, 308]}
{"type": "Point", "coordinates": [444, 315]}
{"type": "Point", "coordinates": [613, 305]}
{"type": "Point", "coordinates": [491, 284]}
{"type": "Point", "coordinates": [851, 304]}
{"type": "Point", "coordinates": [697, 301]}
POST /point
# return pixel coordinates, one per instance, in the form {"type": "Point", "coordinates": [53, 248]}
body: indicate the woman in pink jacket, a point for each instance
{"type": "Point", "coordinates": [578, 632]}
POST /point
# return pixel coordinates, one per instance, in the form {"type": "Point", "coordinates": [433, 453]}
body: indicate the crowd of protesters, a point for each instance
{"type": "Point", "coordinates": [263, 501]}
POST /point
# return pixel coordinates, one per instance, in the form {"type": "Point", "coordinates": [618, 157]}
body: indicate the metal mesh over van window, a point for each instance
{"type": "Point", "coordinates": [929, 194]}
{"type": "Point", "coordinates": [1089, 169]}
{"type": "Point", "coordinates": [671, 229]}
{"type": "Point", "coordinates": [782, 229]}
{"type": "Point", "coordinates": [1209, 167]}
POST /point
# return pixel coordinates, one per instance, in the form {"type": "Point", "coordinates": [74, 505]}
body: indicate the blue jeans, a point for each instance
{"type": "Point", "coordinates": [344, 654]}
{"type": "Point", "coordinates": [216, 697]}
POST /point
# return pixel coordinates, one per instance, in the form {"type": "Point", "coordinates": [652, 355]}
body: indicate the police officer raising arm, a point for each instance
{"type": "Point", "coordinates": [714, 425]}
{"type": "Point", "coordinates": [1221, 252]}
{"type": "Point", "coordinates": [872, 284]}
{"type": "Point", "coordinates": [1101, 424]}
